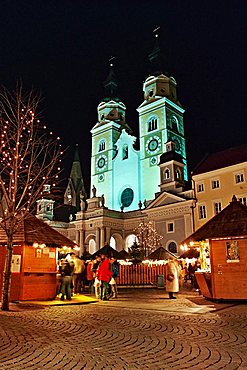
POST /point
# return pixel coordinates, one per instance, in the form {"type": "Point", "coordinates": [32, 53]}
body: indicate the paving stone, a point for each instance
{"type": "Point", "coordinates": [121, 335]}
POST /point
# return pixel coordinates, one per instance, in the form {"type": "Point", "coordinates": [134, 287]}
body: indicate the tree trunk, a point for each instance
{"type": "Point", "coordinates": [7, 275]}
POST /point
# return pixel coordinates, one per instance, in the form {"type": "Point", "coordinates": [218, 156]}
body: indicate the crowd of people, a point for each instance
{"type": "Point", "coordinates": [99, 274]}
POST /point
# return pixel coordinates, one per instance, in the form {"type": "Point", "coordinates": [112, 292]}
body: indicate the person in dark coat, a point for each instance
{"type": "Point", "coordinates": [66, 270]}
{"type": "Point", "coordinates": [115, 275]}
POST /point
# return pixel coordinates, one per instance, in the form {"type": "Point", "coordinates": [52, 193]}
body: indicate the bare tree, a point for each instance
{"type": "Point", "coordinates": [29, 159]}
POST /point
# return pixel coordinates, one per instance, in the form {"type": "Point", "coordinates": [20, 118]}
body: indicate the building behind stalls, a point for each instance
{"type": "Point", "coordinates": [133, 179]}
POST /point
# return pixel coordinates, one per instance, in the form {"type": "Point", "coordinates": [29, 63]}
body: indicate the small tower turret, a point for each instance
{"type": "Point", "coordinates": [45, 205]}
{"type": "Point", "coordinates": [171, 170]}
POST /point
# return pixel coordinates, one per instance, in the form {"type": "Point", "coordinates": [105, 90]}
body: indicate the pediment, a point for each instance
{"type": "Point", "coordinates": [164, 199]}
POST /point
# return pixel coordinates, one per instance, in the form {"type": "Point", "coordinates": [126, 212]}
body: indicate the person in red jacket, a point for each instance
{"type": "Point", "coordinates": [104, 274]}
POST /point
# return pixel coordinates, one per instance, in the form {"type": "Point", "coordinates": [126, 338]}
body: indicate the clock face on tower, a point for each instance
{"type": "Point", "coordinates": [153, 144]}
{"type": "Point", "coordinates": [101, 163]}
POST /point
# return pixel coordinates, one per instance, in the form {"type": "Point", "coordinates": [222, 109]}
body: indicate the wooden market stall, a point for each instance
{"type": "Point", "coordinates": [223, 254]}
{"type": "Point", "coordinates": [34, 261]}
{"type": "Point", "coordinates": [161, 254]}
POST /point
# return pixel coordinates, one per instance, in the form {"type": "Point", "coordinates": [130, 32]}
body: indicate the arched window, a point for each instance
{"type": "Point", "coordinates": [152, 124]}
{"type": "Point", "coordinates": [125, 152]}
{"type": "Point", "coordinates": [40, 207]}
{"type": "Point", "coordinates": [92, 246]}
{"type": "Point", "coordinates": [130, 241]}
{"type": "Point", "coordinates": [101, 145]}
{"type": "Point", "coordinates": [113, 243]}
{"type": "Point", "coordinates": [172, 247]}
{"type": "Point", "coordinates": [174, 122]}
{"type": "Point", "coordinates": [167, 174]}
{"type": "Point", "coordinates": [178, 174]}
{"type": "Point", "coordinates": [47, 208]}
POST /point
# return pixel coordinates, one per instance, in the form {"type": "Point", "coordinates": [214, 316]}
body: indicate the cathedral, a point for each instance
{"type": "Point", "coordinates": [134, 180]}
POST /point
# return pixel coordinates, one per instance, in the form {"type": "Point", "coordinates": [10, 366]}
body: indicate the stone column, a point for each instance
{"type": "Point", "coordinates": [102, 237]}
{"type": "Point", "coordinates": [107, 234]}
{"type": "Point", "coordinates": [97, 238]}
{"type": "Point", "coordinates": [82, 238]}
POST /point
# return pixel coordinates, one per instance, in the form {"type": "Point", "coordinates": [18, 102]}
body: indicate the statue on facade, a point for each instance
{"type": "Point", "coordinates": [102, 201]}
{"type": "Point", "coordinates": [82, 202]}
{"type": "Point", "coordinates": [94, 191]}
{"type": "Point", "coordinates": [145, 203]}
{"type": "Point", "coordinates": [140, 204]}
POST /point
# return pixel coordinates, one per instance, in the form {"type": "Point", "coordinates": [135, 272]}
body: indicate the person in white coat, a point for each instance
{"type": "Point", "coordinates": [172, 278]}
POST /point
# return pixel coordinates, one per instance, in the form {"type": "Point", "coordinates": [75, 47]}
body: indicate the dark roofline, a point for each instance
{"type": "Point", "coordinates": [221, 159]}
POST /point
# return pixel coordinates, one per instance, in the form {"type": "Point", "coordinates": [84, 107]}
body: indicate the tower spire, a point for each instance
{"type": "Point", "coordinates": [110, 83]}
{"type": "Point", "coordinates": [75, 185]}
{"type": "Point", "coordinates": [156, 57]}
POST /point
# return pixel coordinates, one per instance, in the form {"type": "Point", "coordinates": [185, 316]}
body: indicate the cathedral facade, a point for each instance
{"type": "Point", "coordinates": [134, 180]}
{"type": "Point", "coordinates": [124, 174]}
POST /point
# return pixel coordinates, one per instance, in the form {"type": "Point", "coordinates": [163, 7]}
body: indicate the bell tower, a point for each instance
{"type": "Point", "coordinates": [160, 121]}
{"type": "Point", "coordinates": [105, 134]}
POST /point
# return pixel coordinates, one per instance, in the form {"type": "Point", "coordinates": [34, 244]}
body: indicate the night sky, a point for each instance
{"type": "Point", "coordinates": [62, 48]}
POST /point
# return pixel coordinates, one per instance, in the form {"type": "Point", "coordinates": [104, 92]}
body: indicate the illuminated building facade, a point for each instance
{"type": "Point", "coordinates": [216, 179]}
{"type": "Point", "coordinates": [124, 174]}
{"type": "Point", "coordinates": [131, 183]}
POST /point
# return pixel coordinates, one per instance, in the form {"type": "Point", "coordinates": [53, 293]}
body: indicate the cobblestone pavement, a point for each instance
{"type": "Point", "coordinates": [122, 335]}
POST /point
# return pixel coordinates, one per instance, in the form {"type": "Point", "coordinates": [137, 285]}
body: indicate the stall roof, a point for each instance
{"type": "Point", "coordinates": [109, 251]}
{"type": "Point", "coordinates": [230, 222]}
{"type": "Point", "coordinates": [161, 254]}
{"type": "Point", "coordinates": [33, 230]}
{"type": "Point", "coordinates": [191, 253]}
{"type": "Point", "coordinates": [125, 254]}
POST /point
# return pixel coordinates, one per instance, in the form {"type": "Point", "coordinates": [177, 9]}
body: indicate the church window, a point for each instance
{"type": "Point", "coordinates": [152, 124]}
{"type": "Point", "coordinates": [101, 145]}
{"type": "Point", "coordinates": [47, 208]}
{"type": "Point", "coordinates": [170, 227]}
{"type": "Point", "coordinates": [40, 207]}
{"type": "Point", "coordinates": [172, 247]}
{"type": "Point", "coordinates": [125, 152]}
{"type": "Point", "coordinates": [167, 174]}
{"type": "Point", "coordinates": [174, 122]}
{"type": "Point", "coordinates": [127, 197]}
{"type": "Point", "coordinates": [92, 246]}
{"type": "Point", "coordinates": [178, 174]}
